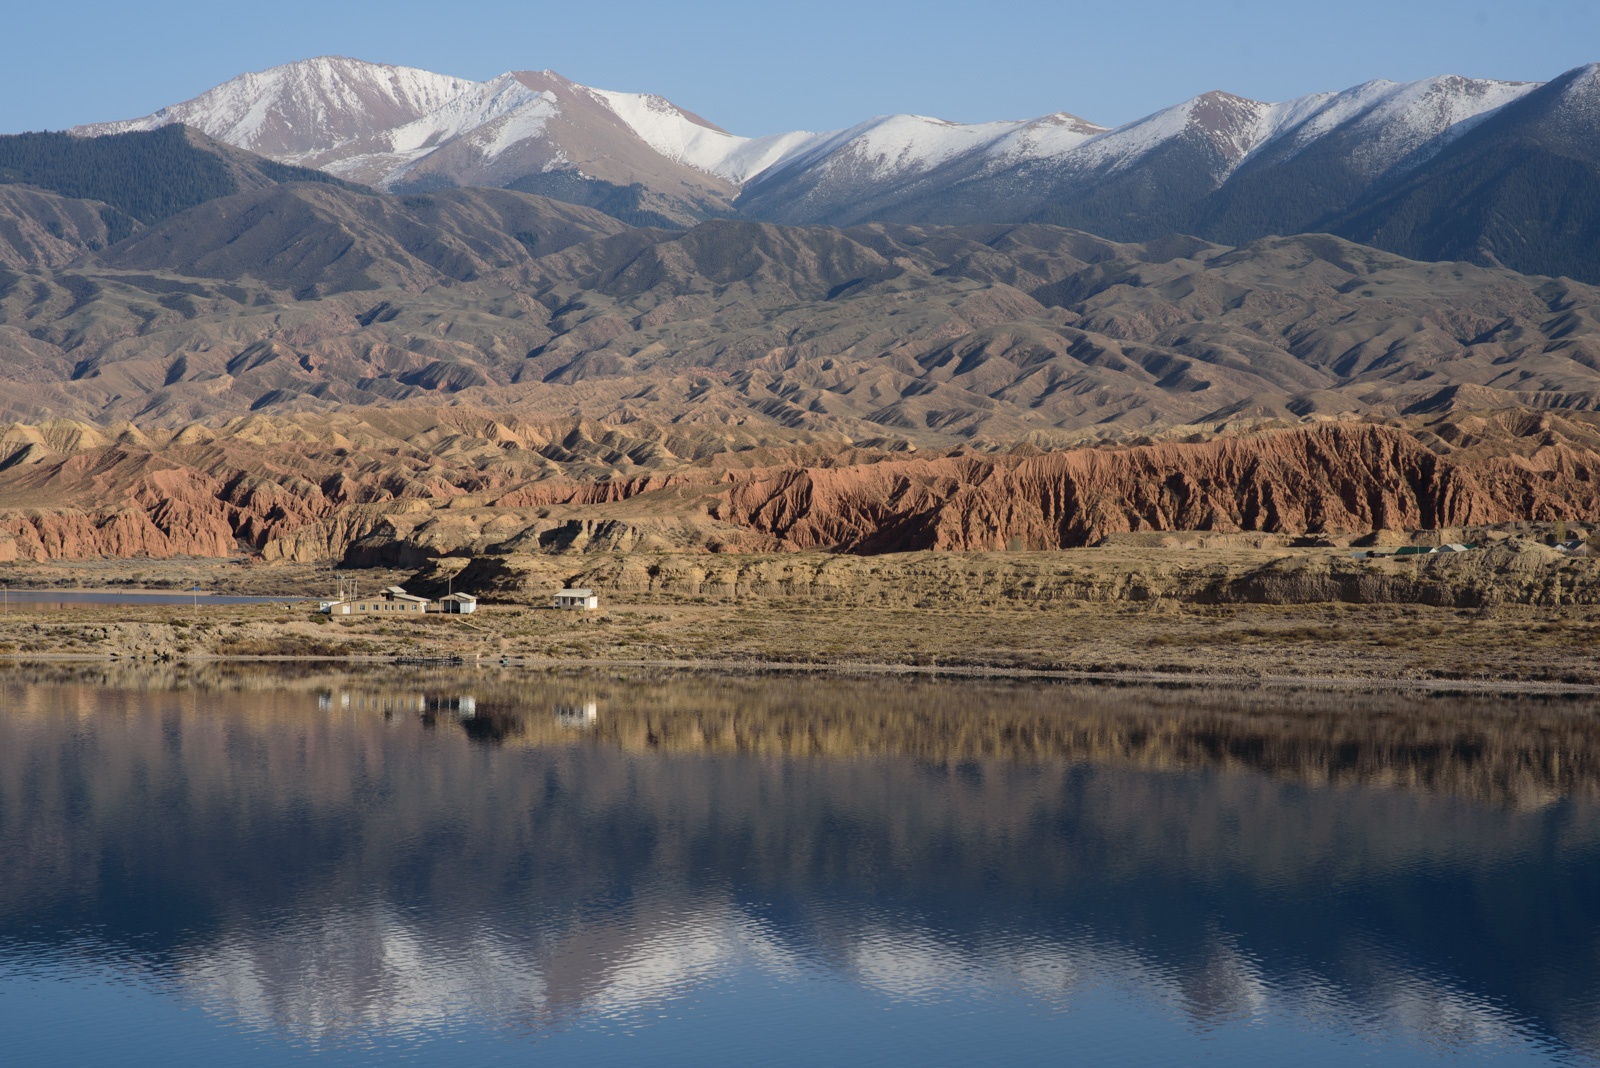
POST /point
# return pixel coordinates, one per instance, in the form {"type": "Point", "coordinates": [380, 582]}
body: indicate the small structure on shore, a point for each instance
{"type": "Point", "coordinates": [458, 604]}
{"type": "Point", "coordinates": [393, 599]}
{"type": "Point", "coordinates": [584, 599]}
{"type": "Point", "coordinates": [1413, 550]}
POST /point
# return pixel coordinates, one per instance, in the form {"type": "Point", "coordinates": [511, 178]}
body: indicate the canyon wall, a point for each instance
{"type": "Point", "coordinates": [383, 504]}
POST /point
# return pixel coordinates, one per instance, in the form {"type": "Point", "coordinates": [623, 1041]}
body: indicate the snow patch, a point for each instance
{"type": "Point", "coordinates": [667, 129]}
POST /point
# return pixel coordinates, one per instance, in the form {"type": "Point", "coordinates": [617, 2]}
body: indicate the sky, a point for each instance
{"type": "Point", "coordinates": [757, 68]}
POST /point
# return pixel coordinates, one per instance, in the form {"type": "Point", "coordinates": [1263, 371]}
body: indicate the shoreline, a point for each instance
{"type": "Point", "coordinates": [948, 632]}
{"type": "Point", "coordinates": [963, 672]}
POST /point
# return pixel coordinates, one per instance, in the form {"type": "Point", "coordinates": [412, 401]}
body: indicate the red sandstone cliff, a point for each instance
{"type": "Point", "coordinates": [1347, 478]}
{"type": "Point", "coordinates": [301, 501]}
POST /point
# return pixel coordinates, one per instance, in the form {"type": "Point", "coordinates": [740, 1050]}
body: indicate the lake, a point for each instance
{"type": "Point", "coordinates": [253, 865]}
{"type": "Point", "coordinates": [55, 600]}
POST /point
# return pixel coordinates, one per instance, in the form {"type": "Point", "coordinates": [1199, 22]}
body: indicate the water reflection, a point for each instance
{"type": "Point", "coordinates": [332, 858]}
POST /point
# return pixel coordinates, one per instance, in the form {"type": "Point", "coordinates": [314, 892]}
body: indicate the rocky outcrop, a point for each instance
{"type": "Point", "coordinates": [1526, 575]}
{"type": "Point", "coordinates": [402, 493]}
{"type": "Point", "coordinates": [1343, 478]}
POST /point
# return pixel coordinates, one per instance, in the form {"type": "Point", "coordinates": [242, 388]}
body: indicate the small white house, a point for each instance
{"type": "Point", "coordinates": [458, 604]}
{"type": "Point", "coordinates": [585, 599]}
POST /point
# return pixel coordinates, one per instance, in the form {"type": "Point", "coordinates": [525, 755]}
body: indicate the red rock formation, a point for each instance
{"type": "Point", "coordinates": [297, 500]}
{"type": "Point", "coordinates": [1330, 479]}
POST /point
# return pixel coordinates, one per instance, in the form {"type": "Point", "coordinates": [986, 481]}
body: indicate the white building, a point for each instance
{"type": "Point", "coordinates": [577, 599]}
{"type": "Point", "coordinates": [458, 604]}
{"type": "Point", "coordinates": [391, 601]}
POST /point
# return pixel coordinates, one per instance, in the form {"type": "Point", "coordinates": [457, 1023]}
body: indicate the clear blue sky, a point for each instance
{"type": "Point", "coordinates": [816, 64]}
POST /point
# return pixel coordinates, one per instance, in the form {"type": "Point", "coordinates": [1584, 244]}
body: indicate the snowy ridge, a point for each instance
{"type": "Point", "coordinates": [1582, 94]}
{"type": "Point", "coordinates": [1396, 119]}
{"type": "Point", "coordinates": [1218, 116]}
{"type": "Point", "coordinates": [481, 106]}
{"type": "Point", "coordinates": [670, 131]}
{"type": "Point", "coordinates": [757, 155]}
{"type": "Point", "coordinates": [478, 106]}
{"type": "Point", "coordinates": [1048, 137]}
{"type": "Point", "coordinates": [378, 123]}
{"type": "Point", "coordinates": [305, 107]}
{"type": "Point", "coordinates": [893, 147]}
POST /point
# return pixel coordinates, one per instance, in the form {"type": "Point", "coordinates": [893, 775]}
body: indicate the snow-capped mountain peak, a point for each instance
{"type": "Point", "coordinates": [305, 108]}
{"type": "Point", "coordinates": [1396, 119]}
{"type": "Point", "coordinates": [400, 127]}
{"type": "Point", "coordinates": [1231, 125]}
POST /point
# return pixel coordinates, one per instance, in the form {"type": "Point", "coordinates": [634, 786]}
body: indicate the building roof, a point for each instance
{"type": "Point", "coordinates": [576, 593]}
{"type": "Point", "coordinates": [463, 597]}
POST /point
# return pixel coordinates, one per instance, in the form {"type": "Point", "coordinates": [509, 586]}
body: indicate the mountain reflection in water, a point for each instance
{"type": "Point", "coordinates": [338, 860]}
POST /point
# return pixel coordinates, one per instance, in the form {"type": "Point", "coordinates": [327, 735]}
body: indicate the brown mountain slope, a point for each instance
{"type": "Point", "coordinates": [925, 335]}
{"type": "Point", "coordinates": [44, 229]}
{"type": "Point", "coordinates": [316, 239]}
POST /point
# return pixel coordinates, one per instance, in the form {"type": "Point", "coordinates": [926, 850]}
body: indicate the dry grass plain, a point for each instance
{"type": "Point", "coordinates": [1504, 644]}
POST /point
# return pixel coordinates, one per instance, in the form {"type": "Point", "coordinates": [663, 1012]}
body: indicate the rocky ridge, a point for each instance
{"type": "Point", "coordinates": [402, 488]}
{"type": "Point", "coordinates": [1521, 574]}
{"type": "Point", "coordinates": [309, 298]}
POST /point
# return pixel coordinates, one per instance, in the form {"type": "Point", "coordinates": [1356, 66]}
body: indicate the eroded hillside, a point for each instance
{"type": "Point", "coordinates": [311, 298]}
{"type": "Point", "coordinates": [404, 486]}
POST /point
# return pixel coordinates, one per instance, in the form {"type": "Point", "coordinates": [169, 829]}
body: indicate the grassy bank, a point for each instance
{"type": "Point", "coordinates": [1334, 641]}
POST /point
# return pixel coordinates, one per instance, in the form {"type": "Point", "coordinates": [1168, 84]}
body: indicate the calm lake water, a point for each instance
{"type": "Point", "coordinates": [53, 600]}
{"type": "Point", "coordinates": [242, 867]}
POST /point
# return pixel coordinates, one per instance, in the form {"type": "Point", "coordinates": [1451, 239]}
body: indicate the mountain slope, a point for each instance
{"type": "Point", "coordinates": [1520, 189]}
{"type": "Point", "coordinates": [402, 128]}
{"type": "Point", "coordinates": [862, 173]}
{"type": "Point", "coordinates": [147, 176]}
{"type": "Point", "coordinates": [42, 229]}
{"type": "Point", "coordinates": [320, 298]}
{"type": "Point", "coordinates": [313, 240]}
{"type": "Point", "coordinates": [566, 140]}
{"type": "Point", "coordinates": [304, 112]}
{"type": "Point", "coordinates": [1350, 144]}
{"type": "Point", "coordinates": [63, 196]}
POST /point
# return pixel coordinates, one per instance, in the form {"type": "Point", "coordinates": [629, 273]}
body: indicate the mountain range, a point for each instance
{"type": "Point", "coordinates": [562, 298]}
{"type": "Point", "coordinates": [1499, 173]}
{"type": "Point", "coordinates": [166, 275]}
{"type": "Point", "coordinates": [311, 297]}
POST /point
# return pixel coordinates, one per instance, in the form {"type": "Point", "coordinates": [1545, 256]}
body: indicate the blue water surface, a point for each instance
{"type": "Point", "coordinates": [250, 869]}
